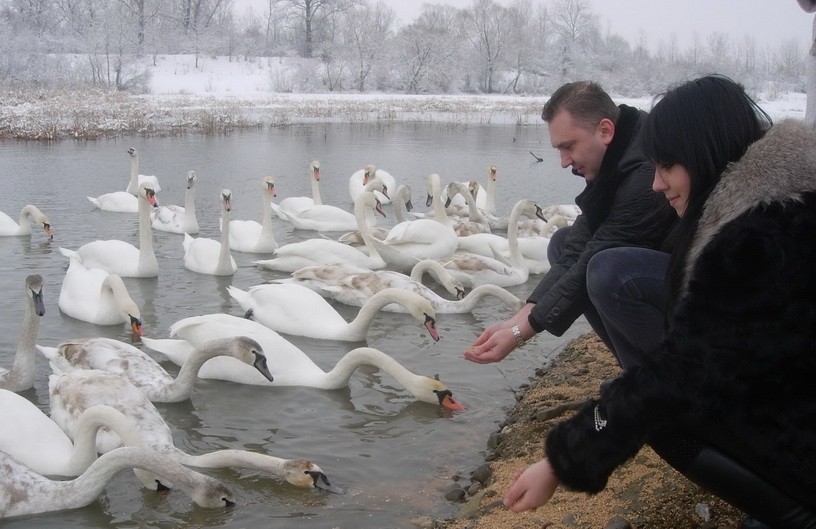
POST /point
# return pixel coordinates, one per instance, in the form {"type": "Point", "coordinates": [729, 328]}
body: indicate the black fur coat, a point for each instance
{"type": "Point", "coordinates": [738, 366]}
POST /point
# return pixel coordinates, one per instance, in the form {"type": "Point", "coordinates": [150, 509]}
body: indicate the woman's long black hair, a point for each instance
{"type": "Point", "coordinates": [702, 125]}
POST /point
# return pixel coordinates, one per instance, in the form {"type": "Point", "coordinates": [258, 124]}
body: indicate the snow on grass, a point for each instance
{"type": "Point", "coordinates": [219, 95]}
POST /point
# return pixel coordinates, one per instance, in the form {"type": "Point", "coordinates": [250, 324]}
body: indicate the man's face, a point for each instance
{"type": "Point", "coordinates": [580, 147]}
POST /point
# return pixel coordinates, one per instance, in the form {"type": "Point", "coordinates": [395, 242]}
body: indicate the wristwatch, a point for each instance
{"type": "Point", "coordinates": [517, 335]}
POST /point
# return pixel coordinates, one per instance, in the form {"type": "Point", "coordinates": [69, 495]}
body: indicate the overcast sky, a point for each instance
{"type": "Point", "coordinates": [769, 21]}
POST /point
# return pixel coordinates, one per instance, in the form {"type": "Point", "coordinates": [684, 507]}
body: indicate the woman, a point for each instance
{"type": "Point", "coordinates": [727, 398]}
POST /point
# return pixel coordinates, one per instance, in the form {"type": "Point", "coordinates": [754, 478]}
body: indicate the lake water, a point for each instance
{"type": "Point", "coordinates": [391, 453]}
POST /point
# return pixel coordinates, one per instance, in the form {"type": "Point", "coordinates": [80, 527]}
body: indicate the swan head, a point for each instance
{"type": "Point", "coordinates": [305, 474]}
{"type": "Point", "coordinates": [473, 187]}
{"type": "Point", "coordinates": [404, 194]}
{"type": "Point", "coordinates": [491, 172]}
{"type": "Point", "coordinates": [226, 199]}
{"type": "Point", "coordinates": [315, 167]}
{"type": "Point", "coordinates": [191, 178]}
{"type": "Point", "coordinates": [40, 218]}
{"type": "Point", "coordinates": [423, 311]}
{"type": "Point", "coordinates": [132, 152]}
{"type": "Point", "coordinates": [244, 349]}
{"type": "Point", "coordinates": [367, 199]}
{"type": "Point", "coordinates": [376, 184]}
{"type": "Point", "coordinates": [213, 494]}
{"type": "Point", "coordinates": [432, 391]}
{"type": "Point", "coordinates": [34, 286]}
{"type": "Point", "coordinates": [147, 192]}
{"type": "Point", "coordinates": [368, 172]}
{"type": "Point", "coordinates": [136, 324]}
{"type": "Point", "coordinates": [269, 185]}
{"type": "Point", "coordinates": [432, 185]}
{"type": "Point", "coordinates": [454, 188]}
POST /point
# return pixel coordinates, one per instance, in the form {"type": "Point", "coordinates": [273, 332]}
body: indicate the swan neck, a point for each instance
{"type": "Point", "coordinates": [359, 325]}
{"type": "Point", "coordinates": [363, 227]}
{"type": "Point", "coordinates": [345, 367]}
{"type": "Point", "coordinates": [146, 254]}
{"type": "Point", "coordinates": [182, 386]}
{"type": "Point", "coordinates": [224, 254]}
{"type": "Point", "coordinates": [22, 370]}
{"type": "Point", "coordinates": [490, 200]}
{"type": "Point", "coordinates": [316, 192]}
{"type": "Point", "coordinates": [438, 207]}
{"type": "Point", "coordinates": [267, 232]}
{"type": "Point", "coordinates": [237, 459]}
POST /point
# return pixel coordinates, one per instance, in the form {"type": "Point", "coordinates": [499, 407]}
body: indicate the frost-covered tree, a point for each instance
{"type": "Point", "coordinates": [810, 110]}
{"type": "Point", "coordinates": [428, 50]}
{"type": "Point", "coordinates": [574, 21]}
{"type": "Point", "coordinates": [488, 32]}
{"type": "Point", "coordinates": [307, 15]}
{"type": "Point", "coordinates": [366, 30]}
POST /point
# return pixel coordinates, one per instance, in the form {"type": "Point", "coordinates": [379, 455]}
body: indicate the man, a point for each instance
{"type": "Point", "coordinates": [599, 140]}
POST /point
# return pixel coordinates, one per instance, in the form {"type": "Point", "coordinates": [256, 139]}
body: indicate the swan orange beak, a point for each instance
{"type": "Point", "coordinates": [449, 403]}
{"type": "Point", "coordinates": [430, 324]}
{"type": "Point", "coordinates": [379, 209]}
{"type": "Point", "coordinates": [316, 173]}
{"type": "Point", "coordinates": [48, 231]}
{"type": "Point", "coordinates": [151, 198]}
{"type": "Point", "coordinates": [136, 325]}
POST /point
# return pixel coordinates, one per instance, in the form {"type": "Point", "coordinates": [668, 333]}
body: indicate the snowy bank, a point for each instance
{"type": "Point", "coordinates": [219, 96]}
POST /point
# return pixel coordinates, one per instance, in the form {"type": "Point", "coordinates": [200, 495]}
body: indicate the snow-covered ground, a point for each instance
{"type": "Point", "coordinates": [219, 95]}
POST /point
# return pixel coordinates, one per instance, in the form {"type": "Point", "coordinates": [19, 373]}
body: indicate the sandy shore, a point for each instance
{"type": "Point", "coordinates": [645, 493]}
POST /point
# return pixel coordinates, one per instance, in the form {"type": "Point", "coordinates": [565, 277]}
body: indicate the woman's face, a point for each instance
{"type": "Point", "coordinates": [673, 181]}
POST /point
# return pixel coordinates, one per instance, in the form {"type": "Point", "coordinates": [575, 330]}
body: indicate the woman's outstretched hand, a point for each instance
{"type": "Point", "coordinates": [532, 487]}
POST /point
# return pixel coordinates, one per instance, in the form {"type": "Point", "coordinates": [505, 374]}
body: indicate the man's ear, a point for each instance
{"type": "Point", "coordinates": [607, 130]}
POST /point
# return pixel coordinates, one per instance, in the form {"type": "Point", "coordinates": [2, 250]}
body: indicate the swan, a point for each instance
{"type": "Point", "coordinates": [125, 201]}
{"type": "Point", "coordinates": [292, 367]}
{"type": "Point", "coordinates": [24, 492]}
{"type": "Point", "coordinates": [71, 393]}
{"type": "Point", "coordinates": [177, 219]}
{"type": "Point", "coordinates": [414, 240]}
{"type": "Point", "coordinates": [298, 310]}
{"type": "Point", "coordinates": [532, 250]}
{"type": "Point", "coordinates": [317, 217]}
{"type": "Point", "coordinates": [292, 256]}
{"type": "Point", "coordinates": [23, 227]}
{"type": "Point", "coordinates": [145, 373]}
{"type": "Point", "coordinates": [474, 269]}
{"type": "Point", "coordinates": [207, 256]}
{"type": "Point", "coordinates": [21, 375]}
{"type": "Point", "coordinates": [476, 222]}
{"type": "Point", "coordinates": [291, 205]}
{"type": "Point", "coordinates": [359, 179]}
{"type": "Point", "coordinates": [40, 444]}
{"type": "Point", "coordinates": [122, 258]}
{"type": "Point", "coordinates": [252, 236]}
{"type": "Point", "coordinates": [354, 286]}
{"type": "Point", "coordinates": [402, 205]}
{"type": "Point", "coordinates": [98, 297]}
{"type": "Point", "coordinates": [137, 179]}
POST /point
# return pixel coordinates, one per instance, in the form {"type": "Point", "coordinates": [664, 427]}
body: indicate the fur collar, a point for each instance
{"type": "Point", "coordinates": [778, 167]}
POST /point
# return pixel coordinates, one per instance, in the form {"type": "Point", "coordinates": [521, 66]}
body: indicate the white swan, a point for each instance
{"type": "Point", "coordinates": [122, 258]}
{"type": "Point", "coordinates": [40, 444]}
{"type": "Point", "coordinates": [532, 250]}
{"type": "Point", "coordinates": [145, 373]}
{"type": "Point", "coordinates": [21, 375]}
{"type": "Point", "coordinates": [291, 366]}
{"type": "Point", "coordinates": [291, 205]}
{"type": "Point", "coordinates": [359, 179]}
{"type": "Point", "coordinates": [294, 309]}
{"type": "Point", "coordinates": [123, 201]}
{"type": "Point", "coordinates": [411, 241]}
{"type": "Point", "coordinates": [73, 392]}
{"type": "Point", "coordinates": [402, 205]}
{"type": "Point", "coordinates": [178, 219]}
{"type": "Point", "coordinates": [251, 236]}
{"type": "Point", "coordinates": [292, 256]}
{"type": "Point", "coordinates": [8, 227]}
{"type": "Point", "coordinates": [98, 297]}
{"type": "Point", "coordinates": [475, 221]}
{"type": "Point", "coordinates": [315, 216]}
{"type": "Point", "coordinates": [354, 286]}
{"type": "Point", "coordinates": [24, 492]}
{"type": "Point", "coordinates": [208, 256]}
